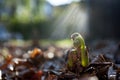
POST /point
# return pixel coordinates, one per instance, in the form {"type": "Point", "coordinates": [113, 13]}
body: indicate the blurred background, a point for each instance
{"type": "Point", "coordinates": [44, 21]}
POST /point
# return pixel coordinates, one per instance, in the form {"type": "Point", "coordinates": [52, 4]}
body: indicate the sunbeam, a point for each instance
{"type": "Point", "coordinates": [74, 18]}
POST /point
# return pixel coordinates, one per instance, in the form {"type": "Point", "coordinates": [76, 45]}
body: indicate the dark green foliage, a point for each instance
{"type": "Point", "coordinates": [31, 30]}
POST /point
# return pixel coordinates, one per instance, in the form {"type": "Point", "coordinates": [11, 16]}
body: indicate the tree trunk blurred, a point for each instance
{"type": "Point", "coordinates": [104, 18]}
